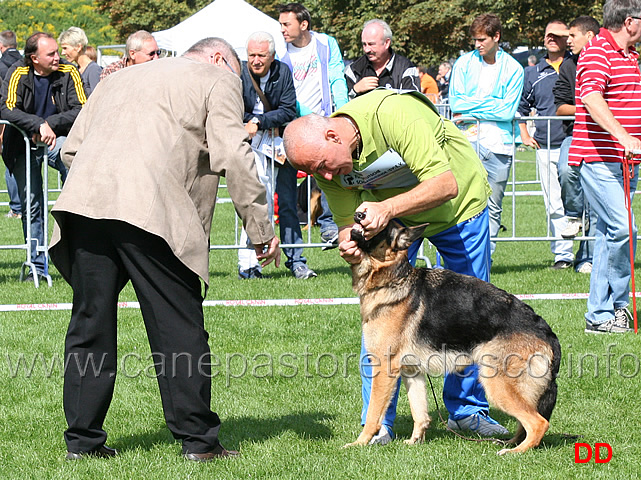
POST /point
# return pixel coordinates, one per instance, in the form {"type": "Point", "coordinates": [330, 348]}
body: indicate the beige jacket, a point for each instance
{"type": "Point", "coordinates": [148, 149]}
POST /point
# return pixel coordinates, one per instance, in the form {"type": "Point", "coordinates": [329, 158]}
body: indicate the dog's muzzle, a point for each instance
{"type": "Point", "coordinates": [358, 234]}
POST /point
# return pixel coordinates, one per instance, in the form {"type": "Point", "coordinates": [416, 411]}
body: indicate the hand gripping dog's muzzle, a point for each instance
{"type": "Point", "coordinates": [358, 234]}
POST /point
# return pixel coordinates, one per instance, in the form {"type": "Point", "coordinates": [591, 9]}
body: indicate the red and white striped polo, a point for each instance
{"type": "Point", "coordinates": [605, 68]}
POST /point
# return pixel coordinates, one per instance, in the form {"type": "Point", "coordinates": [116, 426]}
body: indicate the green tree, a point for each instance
{"type": "Point", "coordinates": [431, 31]}
{"type": "Point", "coordinates": [55, 16]}
{"type": "Point", "coordinates": [128, 16]}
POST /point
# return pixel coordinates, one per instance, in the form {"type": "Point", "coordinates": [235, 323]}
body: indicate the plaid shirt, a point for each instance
{"type": "Point", "coordinates": [113, 67]}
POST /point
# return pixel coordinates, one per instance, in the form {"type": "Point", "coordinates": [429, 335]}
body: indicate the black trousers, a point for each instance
{"type": "Point", "coordinates": [105, 255]}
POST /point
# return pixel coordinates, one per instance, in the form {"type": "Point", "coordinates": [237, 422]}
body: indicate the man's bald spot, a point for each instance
{"type": "Point", "coordinates": [304, 136]}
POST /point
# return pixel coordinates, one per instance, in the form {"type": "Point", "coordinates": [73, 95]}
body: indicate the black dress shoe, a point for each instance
{"type": "Point", "coordinates": [102, 452]}
{"type": "Point", "coordinates": [216, 453]}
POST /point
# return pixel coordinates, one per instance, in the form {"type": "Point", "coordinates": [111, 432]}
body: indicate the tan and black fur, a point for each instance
{"type": "Point", "coordinates": [420, 320]}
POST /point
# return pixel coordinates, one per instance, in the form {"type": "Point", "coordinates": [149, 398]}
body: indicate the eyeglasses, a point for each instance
{"type": "Point", "coordinates": [154, 53]}
{"type": "Point", "coordinates": [636, 18]}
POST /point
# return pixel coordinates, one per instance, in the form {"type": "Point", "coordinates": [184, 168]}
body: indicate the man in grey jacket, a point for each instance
{"type": "Point", "coordinates": [138, 205]}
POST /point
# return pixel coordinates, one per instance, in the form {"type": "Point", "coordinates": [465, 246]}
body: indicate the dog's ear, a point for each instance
{"type": "Point", "coordinates": [402, 237]}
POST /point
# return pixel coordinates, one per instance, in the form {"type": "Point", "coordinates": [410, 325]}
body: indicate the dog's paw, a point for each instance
{"type": "Point", "coordinates": [353, 444]}
{"type": "Point", "coordinates": [505, 450]}
{"type": "Point", "coordinates": [414, 441]}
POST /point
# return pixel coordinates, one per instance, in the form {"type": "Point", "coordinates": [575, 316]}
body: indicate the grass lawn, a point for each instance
{"type": "Point", "coordinates": [287, 387]}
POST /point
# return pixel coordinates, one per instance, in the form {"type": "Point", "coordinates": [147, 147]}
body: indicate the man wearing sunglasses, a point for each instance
{"type": "Point", "coordinates": [141, 47]}
{"type": "Point", "coordinates": [138, 207]}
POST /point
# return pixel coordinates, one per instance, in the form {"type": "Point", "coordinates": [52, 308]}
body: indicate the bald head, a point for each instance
{"type": "Point", "coordinates": [321, 145]}
{"type": "Point", "coordinates": [303, 137]}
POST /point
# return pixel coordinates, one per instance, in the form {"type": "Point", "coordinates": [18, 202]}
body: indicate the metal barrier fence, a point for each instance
{"type": "Point", "coordinates": [30, 243]}
{"type": "Point", "coordinates": [513, 192]}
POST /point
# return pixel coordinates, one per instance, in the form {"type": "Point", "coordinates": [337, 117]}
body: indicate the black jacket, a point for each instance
{"type": "Point", "coordinates": [9, 57]}
{"type": "Point", "coordinates": [279, 91]}
{"type": "Point", "coordinates": [399, 73]}
{"type": "Point", "coordinates": [17, 105]}
{"type": "Point", "coordinates": [564, 89]}
{"type": "Point", "coordinates": [537, 93]}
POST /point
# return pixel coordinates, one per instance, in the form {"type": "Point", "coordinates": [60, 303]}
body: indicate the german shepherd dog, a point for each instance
{"type": "Point", "coordinates": [421, 320]}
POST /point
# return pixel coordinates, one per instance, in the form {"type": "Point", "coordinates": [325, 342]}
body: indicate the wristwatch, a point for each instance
{"type": "Point", "coordinates": [255, 120]}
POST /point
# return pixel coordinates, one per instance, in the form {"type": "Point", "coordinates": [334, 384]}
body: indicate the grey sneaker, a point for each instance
{"type": "Point", "coordinates": [303, 272]}
{"type": "Point", "coordinates": [572, 228]}
{"type": "Point", "coordinates": [383, 437]}
{"type": "Point", "coordinates": [619, 324]}
{"type": "Point", "coordinates": [623, 318]}
{"type": "Point", "coordinates": [479, 423]}
{"type": "Point", "coordinates": [330, 237]}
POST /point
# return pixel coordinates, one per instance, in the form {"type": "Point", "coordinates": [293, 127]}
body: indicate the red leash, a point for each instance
{"type": "Point", "coordinates": [628, 173]}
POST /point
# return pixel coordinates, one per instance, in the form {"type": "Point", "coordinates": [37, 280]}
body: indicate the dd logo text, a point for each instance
{"type": "Point", "coordinates": [583, 452]}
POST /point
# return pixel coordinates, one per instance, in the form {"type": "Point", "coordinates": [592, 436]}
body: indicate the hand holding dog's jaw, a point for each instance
{"type": "Point", "coordinates": [348, 248]}
{"type": "Point", "coordinates": [377, 216]}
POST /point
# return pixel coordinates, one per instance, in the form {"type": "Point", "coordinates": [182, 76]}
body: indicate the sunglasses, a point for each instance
{"type": "Point", "coordinates": [229, 66]}
{"type": "Point", "coordinates": [154, 53]}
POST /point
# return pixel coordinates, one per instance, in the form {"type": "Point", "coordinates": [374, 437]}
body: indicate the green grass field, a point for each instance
{"type": "Point", "coordinates": [287, 386]}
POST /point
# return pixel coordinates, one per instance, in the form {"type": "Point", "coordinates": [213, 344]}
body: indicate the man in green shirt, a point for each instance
{"type": "Point", "coordinates": [393, 156]}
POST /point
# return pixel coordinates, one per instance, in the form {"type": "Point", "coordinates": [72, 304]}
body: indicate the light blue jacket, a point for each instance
{"type": "Point", "coordinates": [501, 105]}
{"type": "Point", "coordinates": [333, 80]}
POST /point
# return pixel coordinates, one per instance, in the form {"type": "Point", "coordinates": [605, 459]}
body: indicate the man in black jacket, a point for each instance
{"type": "Point", "coordinates": [582, 30]}
{"type": "Point", "coordinates": [380, 66]}
{"type": "Point", "coordinates": [537, 94]}
{"type": "Point", "coordinates": [42, 96]}
{"type": "Point", "coordinates": [9, 50]}
{"type": "Point", "coordinates": [274, 80]}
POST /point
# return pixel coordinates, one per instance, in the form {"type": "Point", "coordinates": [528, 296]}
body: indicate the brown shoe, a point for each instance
{"type": "Point", "coordinates": [102, 452]}
{"type": "Point", "coordinates": [216, 453]}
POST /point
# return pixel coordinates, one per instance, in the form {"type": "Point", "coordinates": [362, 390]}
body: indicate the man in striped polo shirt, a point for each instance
{"type": "Point", "coordinates": [607, 130]}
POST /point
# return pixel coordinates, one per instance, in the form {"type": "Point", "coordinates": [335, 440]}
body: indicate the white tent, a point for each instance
{"type": "Point", "coordinates": [233, 20]}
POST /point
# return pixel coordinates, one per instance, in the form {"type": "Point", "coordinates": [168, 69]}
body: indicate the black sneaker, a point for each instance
{"type": "Point", "coordinates": [250, 273]}
{"type": "Point", "coordinates": [561, 265]}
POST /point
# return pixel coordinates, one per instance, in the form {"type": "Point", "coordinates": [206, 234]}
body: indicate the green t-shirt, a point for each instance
{"type": "Point", "coordinates": [427, 143]}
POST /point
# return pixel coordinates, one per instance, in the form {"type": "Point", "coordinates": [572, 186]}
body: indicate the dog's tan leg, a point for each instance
{"type": "Point", "coordinates": [506, 395]}
{"type": "Point", "coordinates": [383, 385]}
{"type": "Point", "coordinates": [417, 395]}
{"type": "Point", "coordinates": [535, 427]}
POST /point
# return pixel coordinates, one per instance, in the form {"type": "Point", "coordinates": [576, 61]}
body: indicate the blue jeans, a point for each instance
{"type": "Point", "coordinates": [610, 280]}
{"type": "Point", "coordinates": [570, 180]}
{"type": "Point", "coordinates": [325, 219]}
{"type": "Point", "coordinates": [38, 206]}
{"type": "Point", "coordinates": [498, 167]}
{"type": "Point", "coordinates": [290, 232]}
{"type": "Point", "coordinates": [12, 191]}
{"type": "Point", "coordinates": [574, 202]}
{"type": "Point", "coordinates": [465, 249]}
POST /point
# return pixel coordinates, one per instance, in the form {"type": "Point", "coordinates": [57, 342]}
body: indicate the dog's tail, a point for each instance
{"type": "Point", "coordinates": [548, 399]}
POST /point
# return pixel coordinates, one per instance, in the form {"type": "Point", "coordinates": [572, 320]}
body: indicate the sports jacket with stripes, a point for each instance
{"type": "Point", "coordinates": [17, 105]}
{"type": "Point", "coordinates": [399, 74]}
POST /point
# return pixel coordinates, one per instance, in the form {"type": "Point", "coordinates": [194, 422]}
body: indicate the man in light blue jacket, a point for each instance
{"type": "Point", "coordinates": [486, 84]}
{"type": "Point", "coordinates": [317, 67]}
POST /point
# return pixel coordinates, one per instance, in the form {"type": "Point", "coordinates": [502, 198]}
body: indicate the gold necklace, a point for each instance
{"type": "Point", "coordinates": [358, 137]}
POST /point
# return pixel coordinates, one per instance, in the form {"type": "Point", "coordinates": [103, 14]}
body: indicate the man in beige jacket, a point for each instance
{"type": "Point", "coordinates": [146, 154]}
